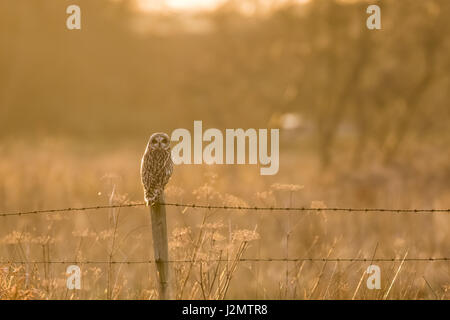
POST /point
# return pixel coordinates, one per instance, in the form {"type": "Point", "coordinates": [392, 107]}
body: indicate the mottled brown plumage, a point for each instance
{"type": "Point", "coordinates": [156, 167]}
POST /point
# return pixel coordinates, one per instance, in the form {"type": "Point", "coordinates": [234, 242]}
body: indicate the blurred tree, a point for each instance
{"type": "Point", "coordinates": [375, 93]}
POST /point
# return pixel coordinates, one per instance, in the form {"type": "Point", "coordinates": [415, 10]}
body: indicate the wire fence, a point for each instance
{"type": "Point", "coordinates": [238, 260]}
{"type": "Point", "coordinates": [251, 208]}
{"type": "Point", "coordinates": [238, 208]}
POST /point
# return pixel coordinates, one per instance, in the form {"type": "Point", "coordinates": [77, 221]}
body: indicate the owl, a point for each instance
{"type": "Point", "coordinates": [156, 167]}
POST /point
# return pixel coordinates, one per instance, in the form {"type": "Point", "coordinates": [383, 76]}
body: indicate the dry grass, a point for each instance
{"type": "Point", "coordinates": [369, 115]}
{"type": "Point", "coordinates": [58, 178]}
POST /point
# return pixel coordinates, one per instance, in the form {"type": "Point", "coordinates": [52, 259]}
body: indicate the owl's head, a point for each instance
{"type": "Point", "coordinates": [159, 141]}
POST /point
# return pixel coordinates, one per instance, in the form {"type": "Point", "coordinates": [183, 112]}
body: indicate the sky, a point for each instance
{"type": "Point", "coordinates": [184, 5]}
{"type": "Point", "coordinates": [150, 5]}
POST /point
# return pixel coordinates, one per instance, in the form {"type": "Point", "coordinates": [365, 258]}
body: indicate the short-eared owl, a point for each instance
{"type": "Point", "coordinates": [156, 167]}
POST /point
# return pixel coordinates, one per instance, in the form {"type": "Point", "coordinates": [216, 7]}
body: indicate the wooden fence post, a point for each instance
{"type": "Point", "coordinates": [161, 247]}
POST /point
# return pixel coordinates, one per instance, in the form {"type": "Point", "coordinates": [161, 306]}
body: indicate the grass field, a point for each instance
{"type": "Point", "coordinates": [55, 178]}
{"type": "Point", "coordinates": [363, 118]}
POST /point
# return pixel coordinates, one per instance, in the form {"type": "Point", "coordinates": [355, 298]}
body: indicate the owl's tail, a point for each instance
{"type": "Point", "coordinates": [152, 197]}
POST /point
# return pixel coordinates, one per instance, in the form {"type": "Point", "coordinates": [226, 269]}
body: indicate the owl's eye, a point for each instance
{"type": "Point", "coordinates": [164, 140]}
{"type": "Point", "coordinates": [154, 141]}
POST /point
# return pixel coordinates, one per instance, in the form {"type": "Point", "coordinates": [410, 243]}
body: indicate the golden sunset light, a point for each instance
{"type": "Point", "coordinates": [225, 153]}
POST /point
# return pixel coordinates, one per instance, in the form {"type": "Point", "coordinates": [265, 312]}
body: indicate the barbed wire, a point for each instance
{"type": "Point", "coordinates": [224, 207]}
{"type": "Point", "coordinates": [431, 259]}
{"type": "Point", "coordinates": [22, 213]}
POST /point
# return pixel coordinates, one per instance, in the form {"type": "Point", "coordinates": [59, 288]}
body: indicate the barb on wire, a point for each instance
{"type": "Point", "coordinates": [210, 207]}
{"type": "Point", "coordinates": [431, 259]}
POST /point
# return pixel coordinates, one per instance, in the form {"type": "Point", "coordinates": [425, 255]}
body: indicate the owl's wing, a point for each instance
{"type": "Point", "coordinates": [168, 169]}
{"type": "Point", "coordinates": [145, 170]}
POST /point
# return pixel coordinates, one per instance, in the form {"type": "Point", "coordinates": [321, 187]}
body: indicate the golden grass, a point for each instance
{"type": "Point", "coordinates": [51, 175]}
